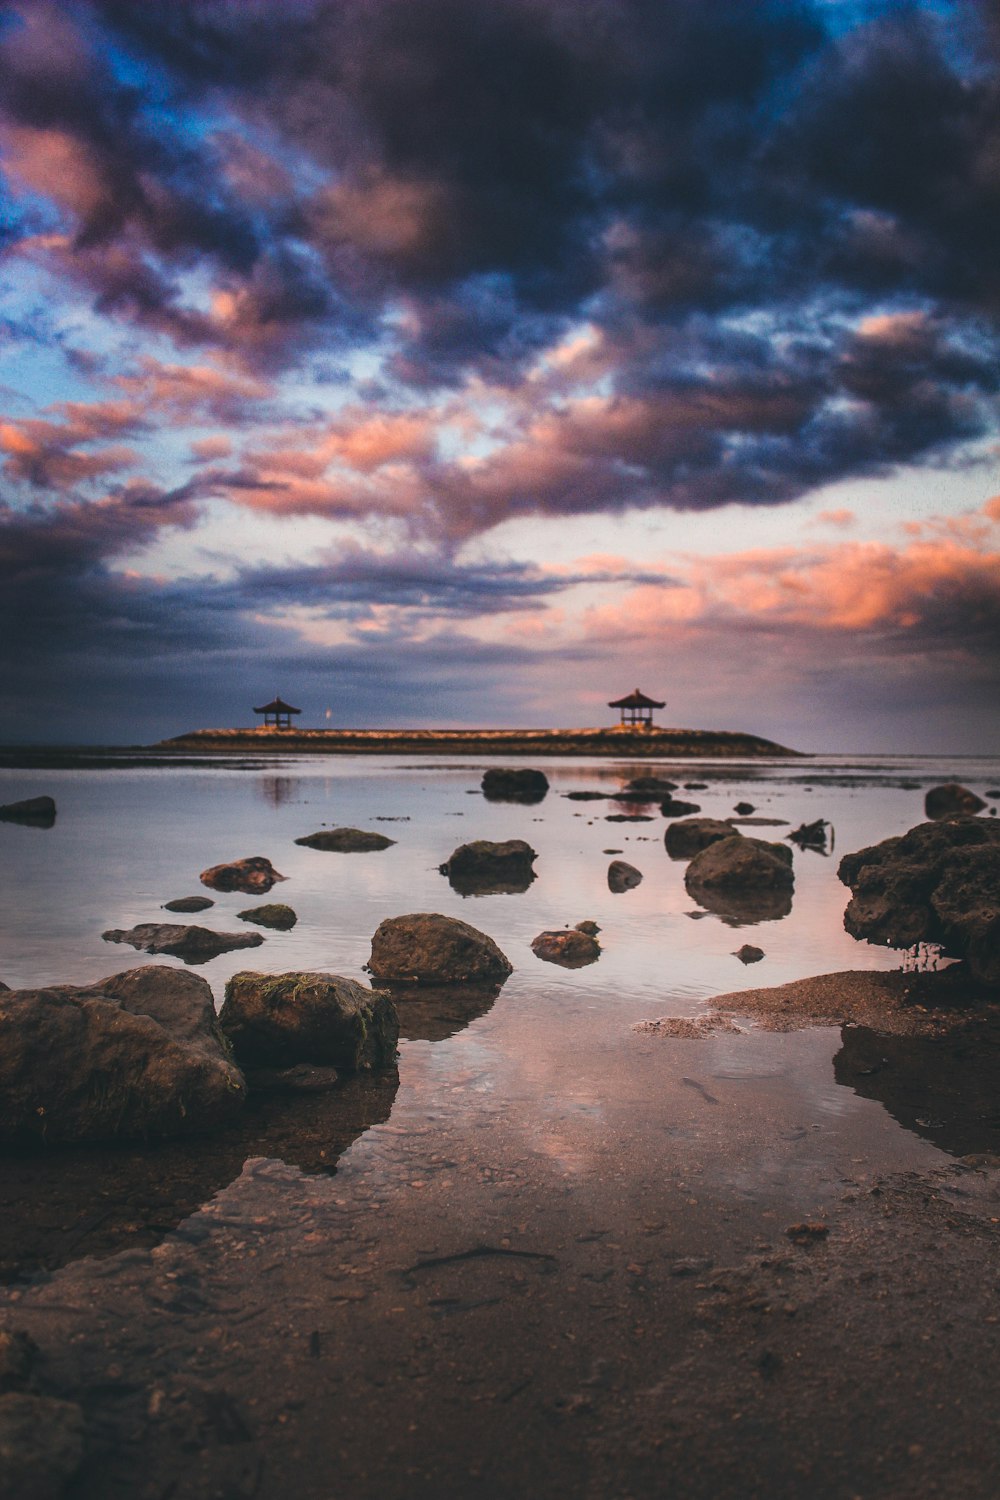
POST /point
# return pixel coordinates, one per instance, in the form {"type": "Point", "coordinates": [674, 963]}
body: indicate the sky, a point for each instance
{"type": "Point", "coordinates": [473, 362]}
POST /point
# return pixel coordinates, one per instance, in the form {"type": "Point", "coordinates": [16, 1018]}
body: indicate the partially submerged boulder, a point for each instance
{"type": "Point", "coordinates": [676, 807]}
{"type": "Point", "coordinates": [278, 1020]}
{"type": "Point", "coordinates": [36, 812]}
{"type": "Point", "coordinates": [689, 836]}
{"type": "Point", "coordinates": [568, 947]}
{"type": "Point", "coordinates": [938, 883]}
{"type": "Point", "coordinates": [195, 945]}
{"type": "Point", "coordinates": [189, 904]}
{"type": "Point", "coordinates": [742, 880]}
{"type": "Point", "coordinates": [427, 948]}
{"type": "Point", "coordinates": [139, 1054]}
{"type": "Point", "coordinates": [622, 877]}
{"type": "Point", "coordinates": [659, 786]}
{"type": "Point", "coordinates": [273, 914]}
{"type": "Point", "coordinates": [749, 954]}
{"type": "Point", "coordinates": [483, 868]}
{"type": "Point", "coordinates": [252, 875]}
{"type": "Point", "coordinates": [522, 784]}
{"type": "Point", "coordinates": [951, 799]}
{"type": "Point", "coordinates": [346, 841]}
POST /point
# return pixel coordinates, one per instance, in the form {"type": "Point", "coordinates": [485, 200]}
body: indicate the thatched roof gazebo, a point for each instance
{"type": "Point", "coordinates": [277, 714]}
{"type": "Point", "coordinates": [636, 708]}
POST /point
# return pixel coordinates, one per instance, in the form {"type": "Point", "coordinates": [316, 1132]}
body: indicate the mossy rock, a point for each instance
{"type": "Point", "coordinates": [278, 1020]}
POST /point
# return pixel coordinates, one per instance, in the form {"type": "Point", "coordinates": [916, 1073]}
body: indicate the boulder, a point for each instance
{"type": "Point", "coordinates": [36, 812]}
{"type": "Point", "coordinates": [658, 785]}
{"type": "Point", "coordinates": [696, 786]}
{"type": "Point", "coordinates": [427, 948]}
{"type": "Point", "coordinates": [748, 954]}
{"type": "Point", "coordinates": [950, 799]}
{"type": "Point", "coordinates": [938, 883]}
{"type": "Point", "coordinates": [568, 947]}
{"type": "Point", "coordinates": [346, 841]}
{"type": "Point", "coordinates": [273, 914]}
{"type": "Point", "coordinates": [279, 1020]}
{"type": "Point", "coordinates": [136, 1055]}
{"type": "Point", "coordinates": [251, 876]}
{"type": "Point", "coordinates": [195, 945]}
{"type": "Point", "coordinates": [675, 807]}
{"type": "Point", "coordinates": [739, 863]}
{"type": "Point", "coordinates": [622, 876]}
{"type": "Point", "coordinates": [483, 868]}
{"type": "Point", "coordinates": [587, 796]}
{"type": "Point", "coordinates": [189, 904]}
{"type": "Point", "coordinates": [590, 928]}
{"type": "Point", "coordinates": [628, 818]}
{"type": "Point", "coordinates": [744, 809]}
{"type": "Point", "coordinates": [690, 835]}
{"type": "Point", "coordinates": [41, 1445]}
{"type": "Point", "coordinates": [517, 785]}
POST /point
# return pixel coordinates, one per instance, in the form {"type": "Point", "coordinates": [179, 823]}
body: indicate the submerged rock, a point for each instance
{"type": "Point", "coordinates": [689, 836]}
{"type": "Point", "coordinates": [189, 904]}
{"type": "Point", "coordinates": [139, 1054]}
{"type": "Point", "coordinates": [500, 784]}
{"type": "Point", "coordinates": [35, 812]}
{"type": "Point", "coordinates": [427, 948]}
{"type": "Point", "coordinates": [278, 1020]}
{"type": "Point", "coordinates": [938, 883]}
{"type": "Point", "coordinates": [195, 945]}
{"type": "Point", "coordinates": [483, 868]}
{"type": "Point", "coordinates": [274, 914]}
{"type": "Point", "coordinates": [950, 799]}
{"type": "Point", "coordinates": [675, 807]}
{"type": "Point", "coordinates": [622, 876]}
{"type": "Point", "coordinates": [252, 875]}
{"type": "Point", "coordinates": [567, 946]}
{"type": "Point", "coordinates": [346, 841]}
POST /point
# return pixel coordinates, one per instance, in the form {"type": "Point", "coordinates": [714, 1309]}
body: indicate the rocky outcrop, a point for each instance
{"type": "Point", "coordinates": [274, 914]}
{"type": "Point", "coordinates": [188, 904]}
{"type": "Point", "coordinates": [689, 836]}
{"type": "Point", "coordinates": [622, 877]}
{"type": "Point", "coordinates": [195, 945]}
{"type": "Point", "coordinates": [950, 800]}
{"type": "Point", "coordinates": [346, 841]}
{"type": "Point", "coordinates": [36, 812]}
{"type": "Point", "coordinates": [676, 807]}
{"type": "Point", "coordinates": [568, 947]}
{"type": "Point", "coordinates": [137, 1055]}
{"type": "Point", "coordinates": [279, 1020]}
{"type": "Point", "coordinates": [514, 785]}
{"type": "Point", "coordinates": [483, 868]}
{"type": "Point", "coordinates": [254, 875]}
{"type": "Point", "coordinates": [427, 948]}
{"type": "Point", "coordinates": [938, 883]}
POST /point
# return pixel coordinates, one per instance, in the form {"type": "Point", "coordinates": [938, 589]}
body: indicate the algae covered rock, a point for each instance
{"type": "Point", "coordinates": [279, 1020]}
{"type": "Point", "coordinates": [346, 841]}
{"type": "Point", "coordinates": [427, 948]}
{"type": "Point", "coordinates": [567, 946]}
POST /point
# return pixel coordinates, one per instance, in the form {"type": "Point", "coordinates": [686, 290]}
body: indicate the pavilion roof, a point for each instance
{"type": "Point", "coordinates": [277, 706]}
{"type": "Point", "coordinates": [636, 699]}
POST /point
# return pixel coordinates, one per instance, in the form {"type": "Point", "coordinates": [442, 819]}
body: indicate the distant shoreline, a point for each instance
{"type": "Point", "coordinates": [643, 743]}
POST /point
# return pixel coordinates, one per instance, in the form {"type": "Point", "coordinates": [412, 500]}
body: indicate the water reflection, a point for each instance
{"type": "Point", "coordinates": [279, 790]}
{"type": "Point", "coordinates": [62, 1205]}
{"type": "Point", "coordinates": [432, 1013]}
{"type": "Point", "coordinates": [509, 882]}
{"type": "Point", "coordinates": [744, 908]}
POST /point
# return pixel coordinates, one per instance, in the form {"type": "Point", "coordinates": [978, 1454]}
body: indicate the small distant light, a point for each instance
{"type": "Point", "coordinates": [329, 713]}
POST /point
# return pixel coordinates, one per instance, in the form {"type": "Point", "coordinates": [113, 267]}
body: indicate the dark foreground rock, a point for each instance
{"type": "Point", "coordinates": [251, 876]}
{"type": "Point", "coordinates": [622, 877]}
{"type": "Point", "coordinates": [41, 1445]}
{"type": "Point", "coordinates": [274, 914]}
{"type": "Point", "coordinates": [514, 785]}
{"type": "Point", "coordinates": [189, 904]}
{"type": "Point", "coordinates": [568, 947]}
{"type": "Point", "coordinates": [676, 807]}
{"type": "Point", "coordinates": [195, 945]}
{"type": "Point", "coordinates": [938, 883]}
{"type": "Point", "coordinates": [36, 812]}
{"type": "Point", "coordinates": [427, 948]}
{"type": "Point", "coordinates": [278, 1020]}
{"type": "Point", "coordinates": [689, 836]}
{"type": "Point", "coordinates": [483, 868]}
{"type": "Point", "coordinates": [950, 799]}
{"type": "Point", "coordinates": [137, 1055]}
{"type": "Point", "coordinates": [346, 841]}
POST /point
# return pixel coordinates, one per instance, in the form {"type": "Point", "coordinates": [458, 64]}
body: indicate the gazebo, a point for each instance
{"type": "Point", "coordinates": [636, 708]}
{"type": "Point", "coordinates": [277, 714]}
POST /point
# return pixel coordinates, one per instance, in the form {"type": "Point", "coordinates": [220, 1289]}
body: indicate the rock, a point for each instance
{"type": "Point", "coordinates": [37, 812]}
{"type": "Point", "coordinates": [938, 883]}
{"type": "Point", "coordinates": [483, 868]}
{"type": "Point", "coordinates": [744, 809]}
{"type": "Point", "coordinates": [278, 1020]}
{"type": "Point", "coordinates": [748, 954]}
{"type": "Point", "coordinates": [658, 785]}
{"type": "Point", "coordinates": [742, 879]}
{"type": "Point", "coordinates": [630, 797]}
{"type": "Point", "coordinates": [41, 1445]}
{"type": "Point", "coordinates": [18, 1353]}
{"type": "Point", "coordinates": [346, 841]}
{"type": "Point", "coordinates": [303, 1078]}
{"type": "Point", "coordinates": [568, 947]}
{"type": "Point", "coordinates": [696, 786]}
{"type": "Point", "coordinates": [590, 928]}
{"type": "Point", "coordinates": [521, 785]}
{"type": "Point", "coordinates": [690, 835]}
{"type": "Point", "coordinates": [674, 807]}
{"type": "Point", "coordinates": [273, 914]}
{"type": "Point", "coordinates": [587, 796]}
{"type": "Point", "coordinates": [951, 798]}
{"type": "Point", "coordinates": [427, 948]}
{"type": "Point", "coordinates": [622, 876]}
{"type": "Point", "coordinates": [812, 835]}
{"type": "Point", "coordinates": [627, 818]}
{"type": "Point", "coordinates": [189, 904]}
{"type": "Point", "coordinates": [252, 875]}
{"type": "Point", "coordinates": [139, 1054]}
{"type": "Point", "coordinates": [195, 945]}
